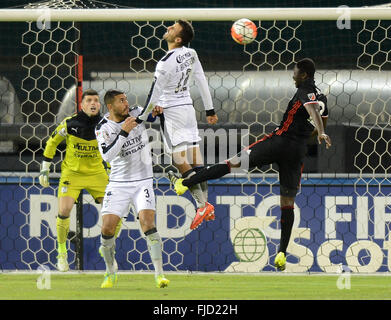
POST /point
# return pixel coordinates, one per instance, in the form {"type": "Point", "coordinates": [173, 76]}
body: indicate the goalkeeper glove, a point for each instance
{"type": "Point", "coordinates": [44, 174]}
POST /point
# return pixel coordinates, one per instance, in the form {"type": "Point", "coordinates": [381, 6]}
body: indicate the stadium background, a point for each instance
{"type": "Point", "coordinates": [106, 48]}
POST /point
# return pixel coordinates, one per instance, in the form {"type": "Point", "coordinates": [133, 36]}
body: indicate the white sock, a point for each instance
{"type": "Point", "coordinates": [155, 250]}
{"type": "Point", "coordinates": [204, 188]}
{"type": "Point", "coordinates": [198, 195]}
{"type": "Point", "coordinates": [196, 191]}
{"type": "Point", "coordinates": [107, 248]}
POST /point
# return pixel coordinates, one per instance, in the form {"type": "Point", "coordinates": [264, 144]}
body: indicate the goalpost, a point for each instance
{"type": "Point", "coordinates": [343, 208]}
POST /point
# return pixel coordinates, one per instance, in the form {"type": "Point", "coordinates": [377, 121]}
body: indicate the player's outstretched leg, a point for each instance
{"type": "Point", "coordinates": [207, 173]}
{"type": "Point", "coordinates": [177, 183]}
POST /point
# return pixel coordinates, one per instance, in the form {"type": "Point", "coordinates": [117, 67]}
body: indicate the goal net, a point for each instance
{"type": "Point", "coordinates": [342, 212]}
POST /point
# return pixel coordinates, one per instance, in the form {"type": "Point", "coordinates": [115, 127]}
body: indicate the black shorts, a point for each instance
{"type": "Point", "coordinates": [287, 153]}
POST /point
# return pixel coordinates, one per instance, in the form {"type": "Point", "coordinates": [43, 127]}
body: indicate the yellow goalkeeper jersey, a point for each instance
{"type": "Point", "coordinates": [82, 155]}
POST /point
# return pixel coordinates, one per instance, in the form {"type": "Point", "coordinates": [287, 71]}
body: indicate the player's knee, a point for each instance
{"type": "Point", "coordinates": [287, 199]}
{"type": "Point", "coordinates": [288, 193]}
{"type": "Point", "coordinates": [147, 224]}
{"type": "Point", "coordinates": [108, 230]}
{"type": "Point", "coordinates": [147, 219]}
{"type": "Point", "coordinates": [65, 206]}
{"type": "Point", "coordinates": [108, 227]}
{"type": "Point", "coordinates": [234, 162]}
{"type": "Point", "coordinates": [65, 211]}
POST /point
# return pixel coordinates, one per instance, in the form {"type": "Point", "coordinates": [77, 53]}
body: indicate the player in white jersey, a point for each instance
{"type": "Point", "coordinates": [125, 145]}
{"type": "Point", "coordinates": [171, 90]}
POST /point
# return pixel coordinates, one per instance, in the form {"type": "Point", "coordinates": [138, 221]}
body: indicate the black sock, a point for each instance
{"type": "Point", "coordinates": [208, 173]}
{"type": "Point", "coordinates": [287, 218]}
{"type": "Point", "coordinates": [196, 169]}
{"type": "Point", "coordinates": [187, 173]}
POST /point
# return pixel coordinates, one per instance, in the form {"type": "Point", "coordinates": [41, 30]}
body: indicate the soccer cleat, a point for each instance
{"type": "Point", "coordinates": [62, 262]}
{"type": "Point", "coordinates": [210, 216]}
{"type": "Point", "coordinates": [115, 264]}
{"type": "Point", "coordinates": [204, 213]}
{"type": "Point", "coordinates": [177, 182]}
{"type": "Point", "coordinates": [162, 281]}
{"type": "Point", "coordinates": [280, 261]}
{"type": "Point", "coordinates": [109, 280]}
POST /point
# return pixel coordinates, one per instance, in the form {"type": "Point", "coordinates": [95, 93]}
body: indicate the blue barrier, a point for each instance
{"type": "Point", "coordinates": [337, 222]}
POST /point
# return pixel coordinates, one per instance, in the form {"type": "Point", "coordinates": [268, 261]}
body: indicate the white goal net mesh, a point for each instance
{"type": "Point", "coordinates": [342, 212]}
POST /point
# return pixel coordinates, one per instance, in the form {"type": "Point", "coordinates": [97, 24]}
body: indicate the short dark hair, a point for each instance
{"type": "Point", "coordinates": [306, 65]}
{"type": "Point", "coordinates": [110, 95]}
{"type": "Point", "coordinates": [89, 92]}
{"type": "Point", "coordinates": [187, 33]}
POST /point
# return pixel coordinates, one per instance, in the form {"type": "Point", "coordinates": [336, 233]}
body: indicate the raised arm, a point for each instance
{"type": "Point", "coordinates": [58, 135]}
{"type": "Point", "coordinates": [202, 84]}
{"type": "Point", "coordinates": [154, 94]}
{"type": "Point", "coordinates": [313, 111]}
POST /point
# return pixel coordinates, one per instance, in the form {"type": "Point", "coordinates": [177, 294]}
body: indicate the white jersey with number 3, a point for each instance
{"type": "Point", "coordinates": [129, 155]}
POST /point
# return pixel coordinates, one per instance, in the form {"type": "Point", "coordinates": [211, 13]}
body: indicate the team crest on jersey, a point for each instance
{"type": "Point", "coordinates": [311, 96]}
{"type": "Point", "coordinates": [105, 135]}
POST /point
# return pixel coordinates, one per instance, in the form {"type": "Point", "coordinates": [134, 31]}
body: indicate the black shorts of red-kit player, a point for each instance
{"type": "Point", "coordinates": [287, 152]}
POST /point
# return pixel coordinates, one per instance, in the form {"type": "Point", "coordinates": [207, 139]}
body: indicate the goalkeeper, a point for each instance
{"type": "Point", "coordinates": [82, 167]}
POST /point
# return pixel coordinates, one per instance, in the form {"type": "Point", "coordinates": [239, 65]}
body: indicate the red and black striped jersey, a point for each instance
{"type": "Point", "coordinates": [296, 120]}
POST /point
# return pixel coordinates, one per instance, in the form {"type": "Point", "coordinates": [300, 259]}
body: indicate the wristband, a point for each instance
{"type": "Point", "coordinates": [210, 112]}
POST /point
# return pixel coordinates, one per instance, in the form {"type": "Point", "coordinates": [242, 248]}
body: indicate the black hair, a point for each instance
{"type": "Point", "coordinates": [306, 65]}
{"type": "Point", "coordinates": [187, 33]}
{"type": "Point", "coordinates": [89, 92]}
{"type": "Point", "coordinates": [110, 95]}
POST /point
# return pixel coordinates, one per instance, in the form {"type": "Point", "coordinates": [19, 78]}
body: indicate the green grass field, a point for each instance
{"type": "Point", "coordinates": [195, 287]}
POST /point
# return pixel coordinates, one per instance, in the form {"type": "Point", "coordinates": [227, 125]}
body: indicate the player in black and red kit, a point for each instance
{"type": "Point", "coordinates": [286, 146]}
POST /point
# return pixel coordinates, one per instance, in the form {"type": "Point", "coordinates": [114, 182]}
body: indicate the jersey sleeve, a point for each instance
{"type": "Point", "coordinates": [307, 96]}
{"type": "Point", "coordinates": [322, 100]}
{"type": "Point", "coordinates": [109, 144]}
{"type": "Point", "coordinates": [160, 79]}
{"type": "Point", "coordinates": [138, 110]}
{"type": "Point", "coordinates": [58, 135]}
{"type": "Point", "coordinates": [202, 83]}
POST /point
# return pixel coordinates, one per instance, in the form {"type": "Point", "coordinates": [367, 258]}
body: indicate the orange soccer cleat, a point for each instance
{"type": "Point", "coordinates": [204, 213]}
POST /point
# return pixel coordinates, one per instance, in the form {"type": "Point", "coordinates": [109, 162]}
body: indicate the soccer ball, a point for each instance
{"type": "Point", "coordinates": [244, 31]}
